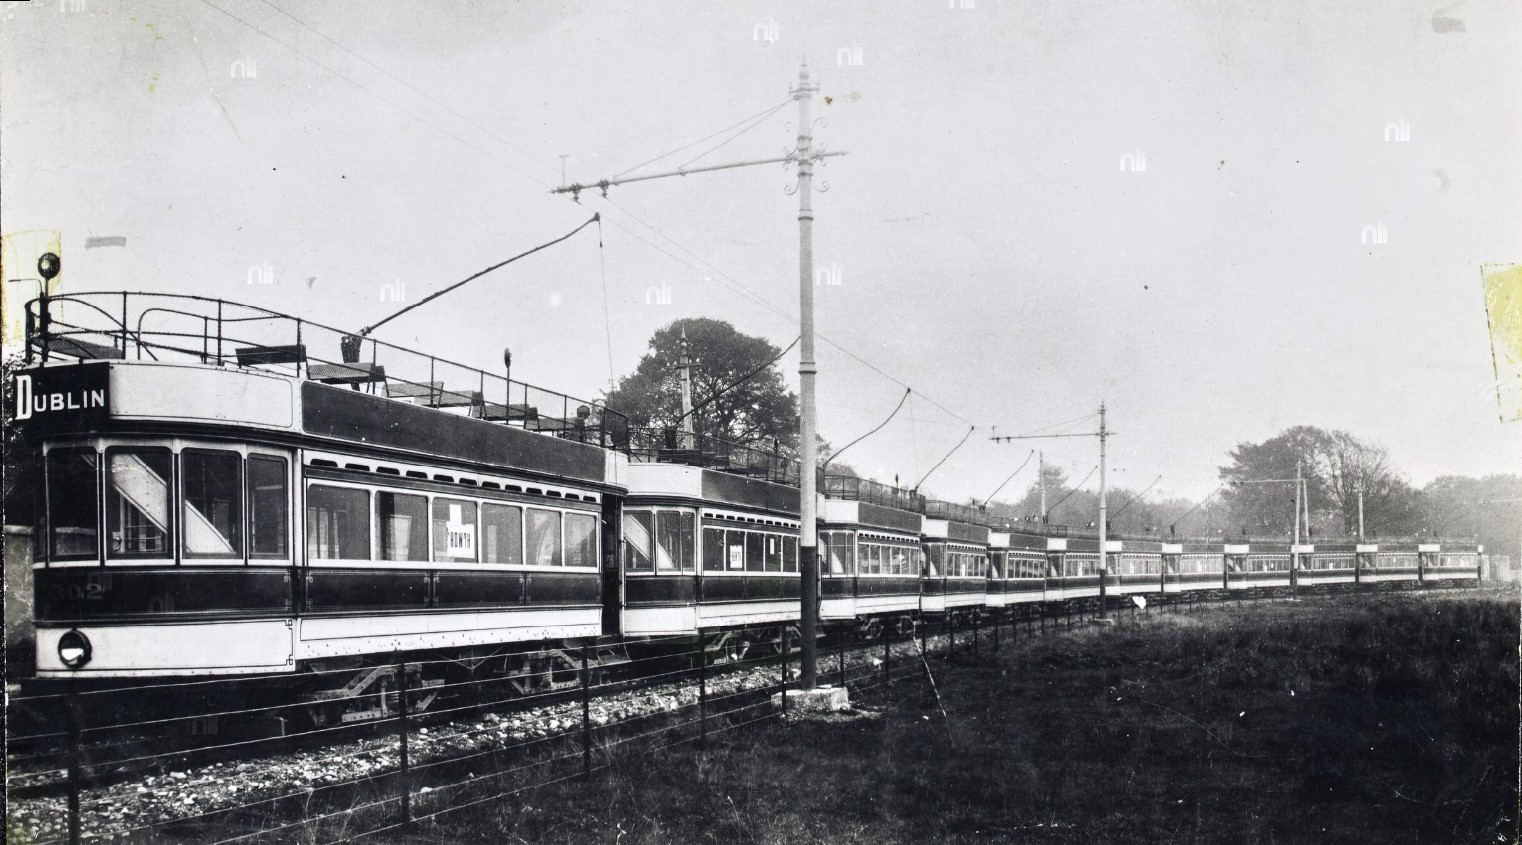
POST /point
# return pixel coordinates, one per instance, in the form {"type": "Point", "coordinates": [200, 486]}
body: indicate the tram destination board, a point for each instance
{"type": "Point", "coordinates": [68, 397]}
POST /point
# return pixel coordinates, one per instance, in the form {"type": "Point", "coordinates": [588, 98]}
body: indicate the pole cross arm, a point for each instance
{"type": "Point", "coordinates": [603, 185]}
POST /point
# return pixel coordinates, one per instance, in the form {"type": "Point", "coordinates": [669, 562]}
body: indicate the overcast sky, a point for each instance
{"type": "Point", "coordinates": [991, 250]}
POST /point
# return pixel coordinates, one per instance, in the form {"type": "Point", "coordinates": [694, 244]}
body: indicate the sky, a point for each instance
{"type": "Point", "coordinates": [1045, 205]}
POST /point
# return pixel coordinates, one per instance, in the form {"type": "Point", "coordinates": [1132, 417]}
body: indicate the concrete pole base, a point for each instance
{"type": "Point", "coordinates": [819, 701]}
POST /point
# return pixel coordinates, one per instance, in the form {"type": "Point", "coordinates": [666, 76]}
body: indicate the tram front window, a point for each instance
{"type": "Point", "coordinates": [138, 503]}
{"type": "Point", "coordinates": [72, 496]}
{"type": "Point", "coordinates": [213, 504]}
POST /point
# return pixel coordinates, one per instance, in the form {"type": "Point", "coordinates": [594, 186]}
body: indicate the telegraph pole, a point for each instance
{"type": "Point", "coordinates": [1296, 530]}
{"type": "Point", "coordinates": [684, 370]}
{"type": "Point", "coordinates": [1294, 545]}
{"type": "Point", "coordinates": [804, 155]}
{"type": "Point", "coordinates": [1360, 512]}
{"type": "Point", "coordinates": [1104, 433]}
{"type": "Point", "coordinates": [808, 543]}
{"type": "Point", "coordinates": [1104, 528]}
{"type": "Point", "coordinates": [1041, 477]}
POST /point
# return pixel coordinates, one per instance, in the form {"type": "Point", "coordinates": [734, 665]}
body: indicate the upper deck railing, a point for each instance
{"type": "Point", "coordinates": [178, 327]}
{"type": "Point", "coordinates": [673, 446]}
{"type": "Point", "coordinates": [937, 509]}
{"type": "Point", "coordinates": [852, 488]}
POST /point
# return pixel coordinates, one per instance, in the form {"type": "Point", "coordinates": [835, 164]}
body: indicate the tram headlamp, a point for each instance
{"type": "Point", "coordinates": [74, 649]}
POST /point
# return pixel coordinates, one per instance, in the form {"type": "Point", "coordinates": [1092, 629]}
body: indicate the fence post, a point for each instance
{"type": "Point", "coordinates": [402, 729]}
{"type": "Point", "coordinates": [951, 636]}
{"type": "Point", "coordinates": [586, 715]}
{"type": "Point", "coordinates": [785, 650]}
{"type": "Point", "coordinates": [702, 694]}
{"type": "Point", "coordinates": [887, 655]}
{"type": "Point", "coordinates": [920, 623]}
{"type": "Point", "coordinates": [841, 658]}
{"type": "Point", "coordinates": [996, 632]}
{"type": "Point", "coordinates": [975, 615]}
{"type": "Point", "coordinates": [71, 709]}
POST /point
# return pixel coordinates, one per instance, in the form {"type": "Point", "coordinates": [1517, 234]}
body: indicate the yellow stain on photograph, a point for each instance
{"type": "Point", "coordinates": [19, 252]}
{"type": "Point", "coordinates": [1503, 311]}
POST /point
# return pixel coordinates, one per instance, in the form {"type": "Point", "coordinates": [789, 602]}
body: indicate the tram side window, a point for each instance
{"type": "Point", "coordinates": [670, 554]}
{"type": "Point", "coordinates": [734, 550]}
{"type": "Point", "coordinates": [213, 499]}
{"type": "Point", "coordinates": [689, 531]}
{"type": "Point", "coordinates": [137, 502]}
{"type": "Point", "coordinates": [790, 554]}
{"type": "Point", "coordinates": [544, 537]}
{"type": "Point", "coordinates": [773, 553]}
{"type": "Point", "coordinates": [454, 530]}
{"type": "Point", "coordinates": [637, 535]}
{"type": "Point", "coordinates": [713, 549]}
{"type": "Point", "coordinates": [268, 508]}
{"type": "Point", "coordinates": [755, 552]}
{"type": "Point", "coordinates": [933, 561]}
{"type": "Point", "coordinates": [403, 523]}
{"type": "Point", "coordinates": [501, 534]}
{"type": "Point", "coordinates": [836, 549]}
{"type": "Point", "coordinates": [581, 540]}
{"type": "Point", "coordinates": [72, 500]}
{"type": "Point", "coordinates": [338, 523]}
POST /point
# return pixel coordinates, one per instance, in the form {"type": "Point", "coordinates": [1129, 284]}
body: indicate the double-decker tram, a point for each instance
{"type": "Point", "coordinates": [870, 557]}
{"type": "Point", "coordinates": [1018, 575]}
{"type": "Point", "coordinates": [1134, 567]}
{"type": "Point", "coordinates": [1331, 563]}
{"type": "Point", "coordinates": [218, 500]}
{"type": "Point", "coordinates": [1073, 568]}
{"type": "Point", "coordinates": [710, 545]}
{"type": "Point", "coordinates": [956, 552]}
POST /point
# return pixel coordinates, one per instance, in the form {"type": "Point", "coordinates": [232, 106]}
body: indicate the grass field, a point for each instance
{"type": "Point", "coordinates": [1385, 719]}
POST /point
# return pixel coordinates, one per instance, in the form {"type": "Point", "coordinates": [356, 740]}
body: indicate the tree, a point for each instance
{"type": "Point", "coordinates": [1335, 466]}
{"type": "Point", "coordinates": [1488, 509]}
{"type": "Point", "coordinates": [759, 410]}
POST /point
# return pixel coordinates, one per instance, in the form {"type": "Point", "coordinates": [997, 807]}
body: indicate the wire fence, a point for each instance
{"type": "Point", "coordinates": [416, 764]}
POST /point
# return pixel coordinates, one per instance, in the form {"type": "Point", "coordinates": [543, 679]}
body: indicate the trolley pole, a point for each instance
{"type": "Point", "coordinates": [808, 551]}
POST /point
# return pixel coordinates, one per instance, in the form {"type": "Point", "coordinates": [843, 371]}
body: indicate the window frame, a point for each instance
{"type": "Point", "coordinates": [172, 544]}
{"type": "Point", "coordinates": [380, 530]}
{"type": "Point", "coordinates": [559, 565]}
{"type": "Point", "coordinates": [94, 558]}
{"type": "Point", "coordinates": [522, 543]}
{"type": "Point", "coordinates": [367, 562]}
{"type": "Point", "coordinates": [267, 558]}
{"type": "Point", "coordinates": [434, 524]}
{"type": "Point", "coordinates": [240, 556]}
{"type": "Point", "coordinates": [566, 516]}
